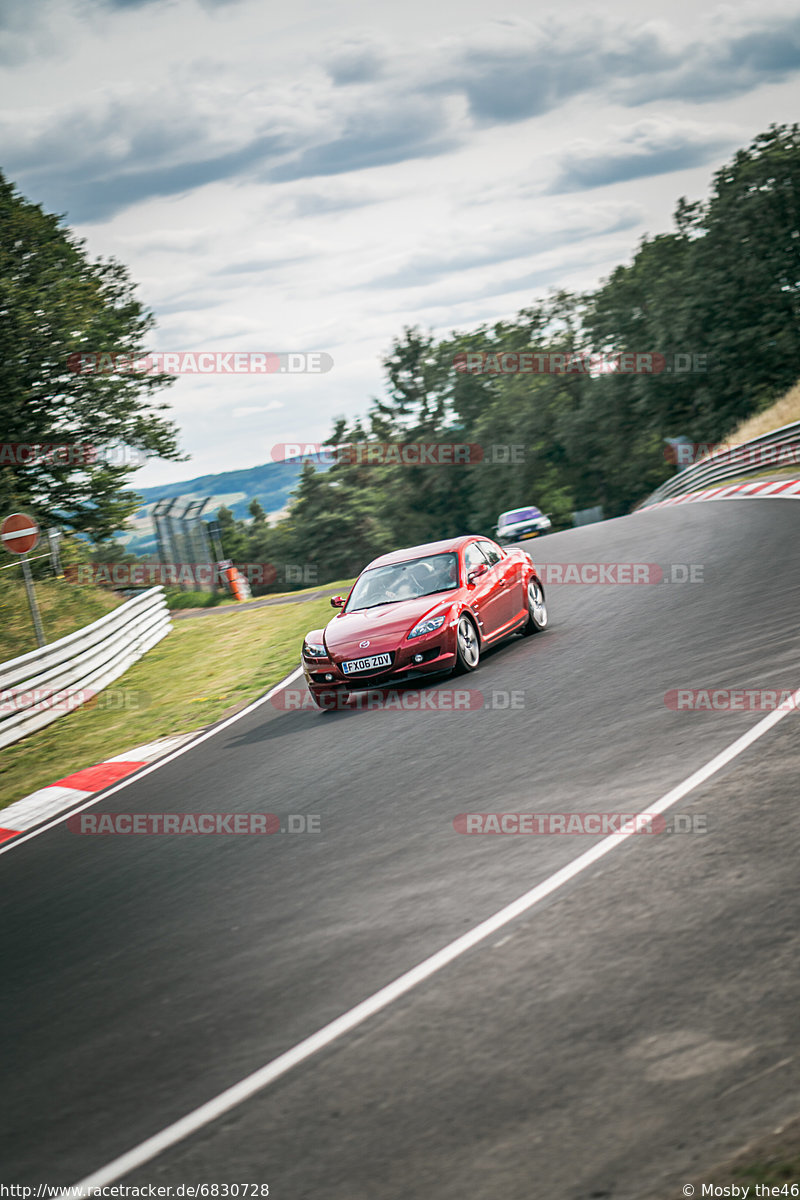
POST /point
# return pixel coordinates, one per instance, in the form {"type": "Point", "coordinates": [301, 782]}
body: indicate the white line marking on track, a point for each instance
{"type": "Point", "coordinates": [160, 762]}
{"type": "Point", "coordinates": [249, 1086]}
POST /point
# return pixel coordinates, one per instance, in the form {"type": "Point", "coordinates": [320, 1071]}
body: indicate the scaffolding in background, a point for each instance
{"type": "Point", "coordinates": [184, 537]}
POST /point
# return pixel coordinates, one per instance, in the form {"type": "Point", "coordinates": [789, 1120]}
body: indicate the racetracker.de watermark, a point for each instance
{"type": "Point", "coordinates": [150, 574]}
{"type": "Point", "coordinates": [68, 454]}
{"type": "Point", "coordinates": [201, 362]}
{"type": "Point", "coordinates": [403, 700]}
{"type": "Point", "coordinates": [201, 824]}
{"type": "Point", "coordinates": [683, 454]}
{"type": "Point", "coordinates": [26, 454]}
{"type": "Point", "coordinates": [619, 573]}
{"type": "Point", "coordinates": [581, 362]}
{"type": "Point", "coordinates": [545, 824]}
{"type": "Point", "coordinates": [64, 700]}
{"type": "Point", "coordinates": [762, 700]}
{"type": "Point", "coordinates": [403, 454]}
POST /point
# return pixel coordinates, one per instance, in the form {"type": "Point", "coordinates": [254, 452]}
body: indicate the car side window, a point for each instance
{"type": "Point", "coordinates": [474, 556]}
{"type": "Point", "coordinates": [491, 552]}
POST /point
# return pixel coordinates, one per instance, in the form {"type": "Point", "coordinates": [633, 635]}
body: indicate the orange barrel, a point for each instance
{"type": "Point", "coordinates": [236, 583]}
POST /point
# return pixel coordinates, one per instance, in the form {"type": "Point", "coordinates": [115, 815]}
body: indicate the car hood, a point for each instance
{"type": "Point", "coordinates": [384, 626]}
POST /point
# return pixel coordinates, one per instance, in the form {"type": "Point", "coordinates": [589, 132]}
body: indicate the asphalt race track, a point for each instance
{"type": "Point", "coordinates": [633, 1028]}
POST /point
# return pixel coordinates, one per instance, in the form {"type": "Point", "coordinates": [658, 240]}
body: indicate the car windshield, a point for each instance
{"type": "Point", "coordinates": [519, 514]}
{"type": "Point", "coordinates": [405, 581]}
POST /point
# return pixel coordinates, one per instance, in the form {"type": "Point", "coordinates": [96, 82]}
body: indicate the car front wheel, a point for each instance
{"type": "Point", "coordinates": [537, 609]}
{"type": "Point", "coordinates": [468, 648]}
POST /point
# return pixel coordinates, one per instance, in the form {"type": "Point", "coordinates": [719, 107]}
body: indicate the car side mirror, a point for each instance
{"type": "Point", "coordinates": [338, 601]}
{"type": "Point", "coordinates": [476, 572]}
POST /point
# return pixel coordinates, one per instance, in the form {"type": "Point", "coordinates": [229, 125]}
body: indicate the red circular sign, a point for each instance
{"type": "Point", "coordinates": [19, 533]}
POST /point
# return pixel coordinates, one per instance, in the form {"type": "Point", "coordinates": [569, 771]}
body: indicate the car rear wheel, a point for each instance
{"type": "Point", "coordinates": [537, 609]}
{"type": "Point", "coordinates": [468, 648]}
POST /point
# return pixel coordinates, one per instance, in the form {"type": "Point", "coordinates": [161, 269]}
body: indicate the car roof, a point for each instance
{"type": "Point", "coordinates": [398, 556]}
{"type": "Point", "coordinates": [520, 508]}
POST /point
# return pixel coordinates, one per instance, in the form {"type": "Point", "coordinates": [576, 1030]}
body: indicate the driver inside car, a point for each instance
{"type": "Point", "coordinates": [405, 586]}
{"type": "Point", "coordinates": [445, 576]}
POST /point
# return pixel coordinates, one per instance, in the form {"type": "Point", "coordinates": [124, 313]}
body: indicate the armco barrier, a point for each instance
{"type": "Point", "coordinates": [38, 687]}
{"type": "Point", "coordinates": [749, 458]}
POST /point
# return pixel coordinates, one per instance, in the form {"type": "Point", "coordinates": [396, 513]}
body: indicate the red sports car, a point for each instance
{"type": "Point", "coordinates": [420, 611]}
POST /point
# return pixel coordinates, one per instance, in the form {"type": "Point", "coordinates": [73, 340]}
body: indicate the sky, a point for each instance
{"type": "Point", "coordinates": [314, 177]}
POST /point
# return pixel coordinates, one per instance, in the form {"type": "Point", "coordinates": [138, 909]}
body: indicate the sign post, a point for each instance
{"type": "Point", "coordinates": [19, 534]}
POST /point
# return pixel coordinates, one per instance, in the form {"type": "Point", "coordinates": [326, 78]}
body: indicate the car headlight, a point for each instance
{"type": "Point", "coordinates": [426, 626]}
{"type": "Point", "coordinates": [313, 651]}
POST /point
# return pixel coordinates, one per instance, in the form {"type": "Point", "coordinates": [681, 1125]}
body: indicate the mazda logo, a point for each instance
{"type": "Point", "coordinates": [363, 645]}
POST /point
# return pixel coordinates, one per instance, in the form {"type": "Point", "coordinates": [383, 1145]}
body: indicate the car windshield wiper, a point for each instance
{"type": "Point", "coordinates": [380, 603]}
{"type": "Point", "coordinates": [363, 607]}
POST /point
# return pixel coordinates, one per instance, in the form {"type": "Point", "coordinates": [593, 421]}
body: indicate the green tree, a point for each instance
{"type": "Point", "coordinates": [233, 535]}
{"type": "Point", "coordinates": [257, 512]}
{"type": "Point", "coordinates": [55, 303]}
{"type": "Point", "coordinates": [723, 284]}
{"type": "Point", "coordinates": [745, 295]}
{"type": "Point", "coordinates": [723, 289]}
{"type": "Point", "coordinates": [336, 523]}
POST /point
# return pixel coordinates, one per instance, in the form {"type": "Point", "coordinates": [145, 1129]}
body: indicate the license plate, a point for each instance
{"type": "Point", "coordinates": [533, 533]}
{"type": "Point", "coordinates": [366, 664]}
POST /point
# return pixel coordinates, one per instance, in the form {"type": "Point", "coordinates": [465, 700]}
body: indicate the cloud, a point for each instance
{"type": "Point", "coordinates": [258, 266]}
{"type": "Point", "coordinates": [25, 31]}
{"type": "Point", "coordinates": [171, 241]}
{"type": "Point", "coordinates": [101, 198]}
{"type": "Point", "coordinates": [16, 15]}
{"type": "Point", "coordinates": [727, 66]}
{"type": "Point", "coordinates": [129, 5]}
{"type": "Point", "coordinates": [361, 107]}
{"type": "Point", "coordinates": [355, 60]}
{"type": "Point", "coordinates": [192, 302]}
{"type": "Point", "coordinates": [249, 410]}
{"type": "Point", "coordinates": [125, 5]}
{"type": "Point", "coordinates": [374, 135]}
{"type": "Point", "coordinates": [94, 164]}
{"type": "Point", "coordinates": [28, 28]}
{"type": "Point", "coordinates": [316, 204]}
{"type": "Point", "coordinates": [651, 147]}
{"type": "Point", "coordinates": [468, 252]}
{"type": "Point", "coordinates": [518, 71]}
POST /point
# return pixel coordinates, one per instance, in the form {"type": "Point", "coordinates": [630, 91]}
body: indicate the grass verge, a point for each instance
{"type": "Point", "coordinates": [64, 607]}
{"type": "Point", "coordinates": [782, 412]}
{"type": "Point", "coordinates": [202, 670]}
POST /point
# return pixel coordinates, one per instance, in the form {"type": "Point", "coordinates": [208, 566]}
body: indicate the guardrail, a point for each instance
{"type": "Point", "coordinates": [729, 463]}
{"type": "Point", "coordinates": [41, 686]}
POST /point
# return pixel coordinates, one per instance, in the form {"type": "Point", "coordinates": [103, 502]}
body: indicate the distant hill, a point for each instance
{"type": "Point", "coordinates": [271, 484]}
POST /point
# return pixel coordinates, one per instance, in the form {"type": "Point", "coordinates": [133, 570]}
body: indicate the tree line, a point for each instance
{"type": "Point", "coordinates": [701, 329]}
{"type": "Point", "coordinates": [701, 326]}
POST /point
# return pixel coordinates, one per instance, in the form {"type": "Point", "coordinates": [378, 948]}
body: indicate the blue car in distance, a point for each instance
{"type": "Point", "coordinates": [521, 523]}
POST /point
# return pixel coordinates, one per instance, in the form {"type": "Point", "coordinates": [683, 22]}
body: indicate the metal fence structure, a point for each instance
{"type": "Point", "coordinates": [182, 535]}
{"type": "Point", "coordinates": [775, 449]}
{"type": "Point", "coordinates": [39, 687]}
